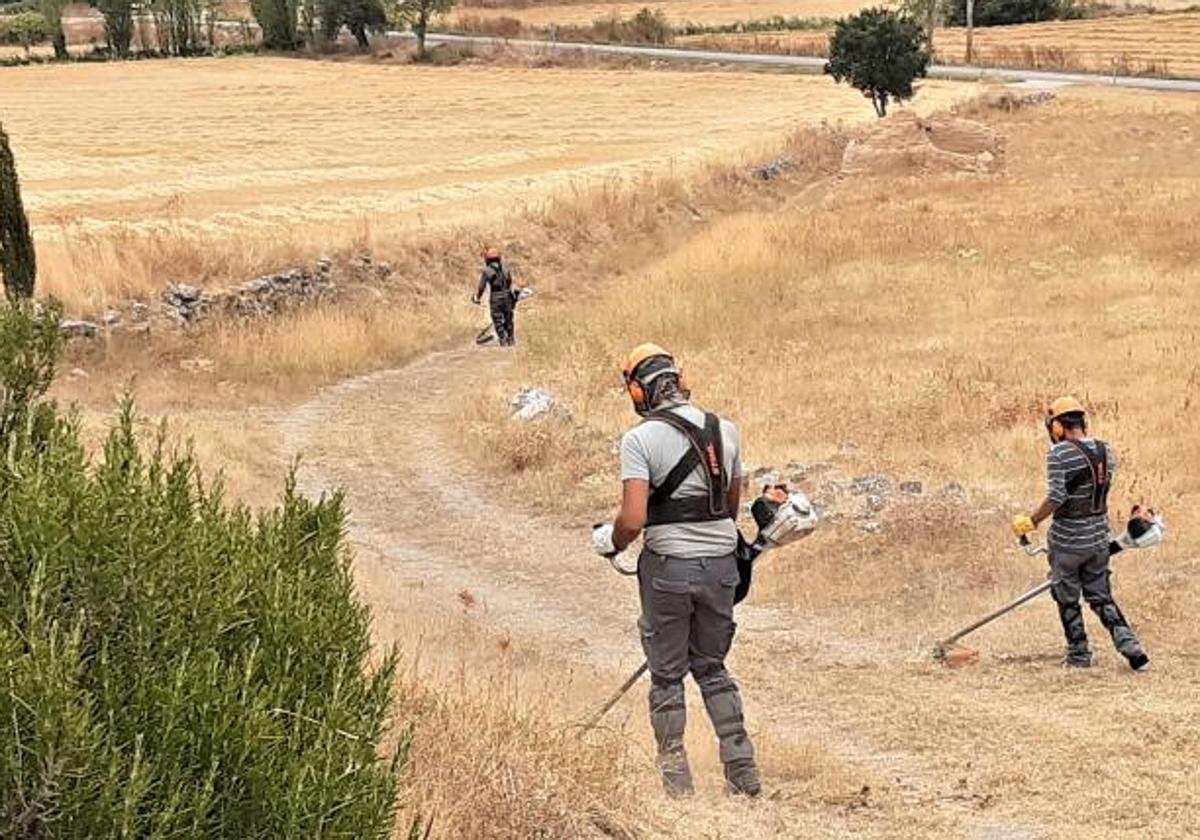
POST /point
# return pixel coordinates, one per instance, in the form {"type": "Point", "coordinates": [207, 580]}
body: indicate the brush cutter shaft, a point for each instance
{"type": "Point", "coordinates": [617, 695]}
{"type": "Point", "coordinates": [992, 616]}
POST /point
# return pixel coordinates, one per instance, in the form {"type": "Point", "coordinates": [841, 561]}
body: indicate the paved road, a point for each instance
{"type": "Point", "coordinates": [805, 64]}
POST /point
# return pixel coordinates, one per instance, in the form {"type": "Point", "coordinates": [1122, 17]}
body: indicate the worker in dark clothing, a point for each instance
{"type": "Point", "coordinates": [497, 280]}
{"type": "Point", "coordinates": [1079, 472]}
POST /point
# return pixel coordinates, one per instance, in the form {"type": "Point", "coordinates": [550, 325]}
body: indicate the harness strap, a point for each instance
{"type": "Point", "coordinates": [705, 452]}
{"type": "Point", "coordinates": [1097, 471]}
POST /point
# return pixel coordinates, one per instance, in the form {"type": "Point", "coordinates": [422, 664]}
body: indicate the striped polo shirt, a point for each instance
{"type": "Point", "coordinates": [1075, 536]}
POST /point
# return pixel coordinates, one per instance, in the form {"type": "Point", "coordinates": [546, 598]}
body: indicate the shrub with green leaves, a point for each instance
{"type": "Point", "coordinates": [172, 665]}
{"type": "Point", "coordinates": [881, 53]}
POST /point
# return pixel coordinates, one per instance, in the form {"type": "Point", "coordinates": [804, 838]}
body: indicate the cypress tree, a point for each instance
{"type": "Point", "coordinates": [18, 263]}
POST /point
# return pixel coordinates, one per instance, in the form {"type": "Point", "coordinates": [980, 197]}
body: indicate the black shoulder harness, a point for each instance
{"type": "Point", "coordinates": [706, 450]}
{"type": "Point", "coordinates": [1096, 473]}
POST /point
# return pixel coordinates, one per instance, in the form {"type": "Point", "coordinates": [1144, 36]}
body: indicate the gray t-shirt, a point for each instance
{"type": "Point", "coordinates": [649, 451]}
{"type": "Point", "coordinates": [1088, 535]}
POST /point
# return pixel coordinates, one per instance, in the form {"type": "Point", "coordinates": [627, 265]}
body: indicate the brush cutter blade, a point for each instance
{"type": "Point", "coordinates": [956, 656]}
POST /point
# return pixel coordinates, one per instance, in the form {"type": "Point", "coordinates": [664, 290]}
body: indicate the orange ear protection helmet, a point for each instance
{"type": "Point", "coordinates": [1061, 406]}
{"type": "Point", "coordinates": [637, 386]}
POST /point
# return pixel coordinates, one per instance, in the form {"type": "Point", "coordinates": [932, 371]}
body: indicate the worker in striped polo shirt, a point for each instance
{"type": "Point", "coordinates": [1079, 472]}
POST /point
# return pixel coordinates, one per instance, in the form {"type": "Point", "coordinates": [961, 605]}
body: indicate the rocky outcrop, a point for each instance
{"type": "Point", "coordinates": [905, 143]}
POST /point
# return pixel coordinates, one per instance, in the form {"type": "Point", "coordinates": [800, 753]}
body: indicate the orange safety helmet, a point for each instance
{"type": "Point", "coordinates": [637, 386]}
{"type": "Point", "coordinates": [491, 254]}
{"type": "Point", "coordinates": [1060, 407]}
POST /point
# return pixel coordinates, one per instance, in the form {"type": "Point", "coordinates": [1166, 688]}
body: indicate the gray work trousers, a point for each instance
{"type": "Point", "coordinates": [1088, 575]}
{"type": "Point", "coordinates": [687, 627]}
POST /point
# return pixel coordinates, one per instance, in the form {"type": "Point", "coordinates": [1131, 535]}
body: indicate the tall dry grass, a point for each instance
{"type": "Point", "coordinates": [917, 326]}
{"type": "Point", "coordinates": [563, 245]}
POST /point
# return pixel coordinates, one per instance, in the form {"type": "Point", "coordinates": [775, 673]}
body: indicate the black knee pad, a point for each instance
{"type": "Point", "coordinates": [665, 682]}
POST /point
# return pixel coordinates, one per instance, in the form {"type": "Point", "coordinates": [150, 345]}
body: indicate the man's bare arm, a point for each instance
{"type": "Point", "coordinates": [635, 498]}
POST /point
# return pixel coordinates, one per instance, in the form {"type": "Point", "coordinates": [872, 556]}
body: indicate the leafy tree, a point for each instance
{"type": "Point", "coordinates": [26, 28]}
{"type": "Point", "coordinates": [359, 16]}
{"type": "Point", "coordinates": [118, 24]}
{"type": "Point", "coordinates": [1006, 12]}
{"type": "Point", "coordinates": [18, 262]}
{"type": "Point", "coordinates": [417, 14]}
{"type": "Point", "coordinates": [177, 23]}
{"type": "Point", "coordinates": [52, 11]}
{"type": "Point", "coordinates": [879, 52]}
{"type": "Point", "coordinates": [278, 20]}
{"type": "Point", "coordinates": [362, 16]}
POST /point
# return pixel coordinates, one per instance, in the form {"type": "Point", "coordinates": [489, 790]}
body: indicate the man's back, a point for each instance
{"type": "Point", "coordinates": [649, 451]}
{"type": "Point", "coordinates": [1071, 484]}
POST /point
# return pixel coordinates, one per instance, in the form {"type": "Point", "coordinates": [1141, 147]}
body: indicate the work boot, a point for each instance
{"type": "Point", "coordinates": [1078, 656]}
{"type": "Point", "coordinates": [741, 779]}
{"type": "Point", "coordinates": [1139, 662]}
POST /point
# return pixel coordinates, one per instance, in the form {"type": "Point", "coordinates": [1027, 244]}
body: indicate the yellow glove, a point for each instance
{"type": "Point", "coordinates": [1022, 525]}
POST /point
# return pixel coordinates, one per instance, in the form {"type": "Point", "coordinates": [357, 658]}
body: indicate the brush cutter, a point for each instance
{"type": "Point", "coordinates": [1144, 529]}
{"type": "Point", "coordinates": [955, 655]}
{"type": "Point", "coordinates": [782, 517]}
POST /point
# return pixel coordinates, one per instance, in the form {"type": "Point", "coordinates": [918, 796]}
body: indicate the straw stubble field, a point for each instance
{"type": "Point", "coordinates": [136, 174]}
{"type": "Point", "coordinates": [1149, 45]}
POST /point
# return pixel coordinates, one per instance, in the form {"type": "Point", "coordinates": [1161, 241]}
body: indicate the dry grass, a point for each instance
{"type": "Point", "coordinates": [253, 163]}
{"type": "Point", "coordinates": [915, 326]}
{"type": "Point", "coordinates": [1137, 45]}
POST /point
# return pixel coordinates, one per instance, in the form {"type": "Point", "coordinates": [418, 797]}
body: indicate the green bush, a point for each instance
{"type": "Point", "coordinates": [24, 29]}
{"type": "Point", "coordinates": [881, 53]}
{"type": "Point", "coordinates": [1006, 12]}
{"type": "Point", "coordinates": [171, 665]}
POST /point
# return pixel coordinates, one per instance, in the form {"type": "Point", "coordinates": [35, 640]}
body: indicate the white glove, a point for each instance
{"type": "Point", "coordinates": [602, 541]}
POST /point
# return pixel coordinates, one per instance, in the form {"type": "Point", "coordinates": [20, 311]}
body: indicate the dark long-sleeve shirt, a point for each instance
{"type": "Point", "coordinates": [496, 279]}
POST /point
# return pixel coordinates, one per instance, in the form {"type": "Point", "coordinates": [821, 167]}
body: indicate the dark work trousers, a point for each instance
{"type": "Point", "coordinates": [1088, 575]}
{"type": "Point", "coordinates": [687, 627]}
{"type": "Point", "coordinates": [502, 318]}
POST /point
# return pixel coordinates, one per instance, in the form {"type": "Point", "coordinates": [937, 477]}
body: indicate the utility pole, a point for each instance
{"type": "Point", "coordinates": [970, 30]}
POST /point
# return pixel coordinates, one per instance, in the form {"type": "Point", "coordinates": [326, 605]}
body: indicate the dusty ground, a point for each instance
{"type": "Point", "coordinates": [907, 748]}
{"type": "Point", "coordinates": [257, 156]}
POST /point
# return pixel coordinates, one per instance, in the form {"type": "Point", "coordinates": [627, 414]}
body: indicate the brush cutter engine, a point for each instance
{"type": "Point", "coordinates": [1145, 528]}
{"type": "Point", "coordinates": [782, 516]}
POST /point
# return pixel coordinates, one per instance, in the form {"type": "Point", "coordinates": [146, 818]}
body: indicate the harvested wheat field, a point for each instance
{"type": "Point", "coordinates": [137, 173]}
{"type": "Point", "coordinates": [1137, 45]}
{"type": "Point", "coordinates": [1150, 45]}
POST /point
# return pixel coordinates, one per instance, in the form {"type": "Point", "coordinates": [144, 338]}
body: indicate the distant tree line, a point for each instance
{"type": "Point", "coordinates": [187, 27]}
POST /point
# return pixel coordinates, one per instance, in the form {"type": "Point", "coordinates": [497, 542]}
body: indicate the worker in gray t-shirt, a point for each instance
{"type": "Point", "coordinates": [1079, 472]}
{"type": "Point", "coordinates": [681, 475]}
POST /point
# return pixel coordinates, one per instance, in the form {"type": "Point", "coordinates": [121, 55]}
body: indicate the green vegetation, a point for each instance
{"type": "Point", "coordinates": [1005, 12]}
{"type": "Point", "coordinates": [18, 260]}
{"type": "Point", "coordinates": [24, 29]}
{"type": "Point", "coordinates": [278, 21]}
{"type": "Point", "coordinates": [52, 11]}
{"type": "Point", "coordinates": [172, 666]}
{"type": "Point", "coordinates": [879, 52]}
{"type": "Point", "coordinates": [778, 23]}
{"type": "Point", "coordinates": [647, 26]}
{"type": "Point", "coordinates": [417, 14]}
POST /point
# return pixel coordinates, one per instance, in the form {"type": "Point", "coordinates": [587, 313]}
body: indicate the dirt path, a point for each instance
{"type": "Point", "coordinates": [918, 751]}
